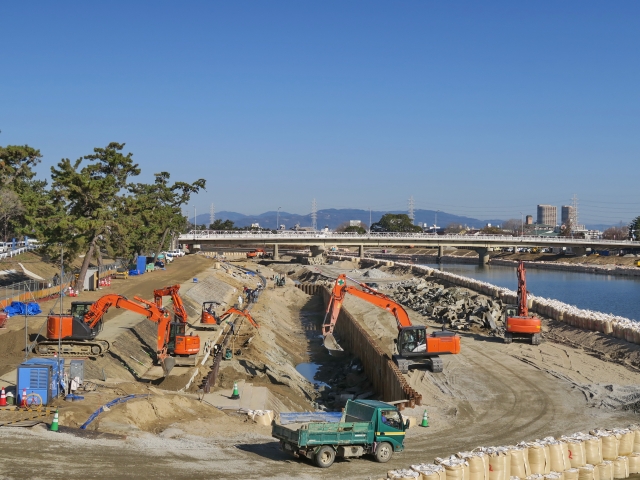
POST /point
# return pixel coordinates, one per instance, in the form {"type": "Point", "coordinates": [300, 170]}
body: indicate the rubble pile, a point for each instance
{"type": "Point", "coordinates": [347, 383]}
{"type": "Point", "coordinates": [459, 307]}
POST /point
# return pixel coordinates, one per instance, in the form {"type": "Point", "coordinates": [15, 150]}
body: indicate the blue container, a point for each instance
{"type": "Point", "coordinates": [42, 376]}
{"type": "Point", "coordinates": [141, 264]}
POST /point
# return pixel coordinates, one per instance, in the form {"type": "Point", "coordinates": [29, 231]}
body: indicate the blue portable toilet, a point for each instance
{"type": "Point", "coordinates": [42, 376]}
{"type": "Point", "coordinates": [141, 264]}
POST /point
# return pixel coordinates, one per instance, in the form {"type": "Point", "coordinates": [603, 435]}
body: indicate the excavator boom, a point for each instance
{"type": "Point", "coordinates": [178, 306]}
{"type": "Point", "coordinates": [243, 313]}
{"type": "Point", "coordinates": [413, 344]}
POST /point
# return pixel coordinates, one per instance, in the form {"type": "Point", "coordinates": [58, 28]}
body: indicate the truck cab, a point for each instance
{"type": "Point", "coordinates": [367, 427]}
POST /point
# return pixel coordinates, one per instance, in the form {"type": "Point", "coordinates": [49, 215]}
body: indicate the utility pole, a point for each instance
{"type": "Point", "coordinates": [278, 219]}
{"type": "Point", "coordinates": [314, 215]}
{"type": "Point", "coordinates": [411, 205]}
{"type": "Point", "coordinates": [195, 222]}
{"type": "Point", "coordinates": [522, 224]}
{"type": "Point", "coordinates": [369, 219]}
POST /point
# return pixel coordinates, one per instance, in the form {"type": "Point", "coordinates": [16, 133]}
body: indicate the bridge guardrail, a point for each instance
{"type": "Point", "coordinates": [506, 239]}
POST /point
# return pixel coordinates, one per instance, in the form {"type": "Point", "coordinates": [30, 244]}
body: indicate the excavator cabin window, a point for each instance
{"type": "Point", "coordinates": [80, 309]}
{"type": "Point", "coordinates": [412, 340]}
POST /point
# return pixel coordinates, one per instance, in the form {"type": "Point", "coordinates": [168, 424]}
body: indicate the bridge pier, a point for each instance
{"type": "Point", "coordinates": [361, 251]}
{"type": "Point", "coordinates": [579, 251]}
{"type": "Point", "coordinates": [483, 255]}
{"type": "Point", "coordinates": [317, 250]}
{"type": "Point", "coordinates": [440, 252]}
{"type": "Point", "coordinates": [276, 255]}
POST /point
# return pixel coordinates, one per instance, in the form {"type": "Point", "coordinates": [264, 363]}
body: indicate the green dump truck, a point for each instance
{"type": "Point", "coordinates": [367, 427]}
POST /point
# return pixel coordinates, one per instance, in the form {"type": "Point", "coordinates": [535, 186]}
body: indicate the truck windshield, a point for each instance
{"type": "Point", "coordinates": [391, 418]}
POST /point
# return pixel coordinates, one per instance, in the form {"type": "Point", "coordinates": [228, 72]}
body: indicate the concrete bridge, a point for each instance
{"type": "Point", "coordinates": [321, 241]}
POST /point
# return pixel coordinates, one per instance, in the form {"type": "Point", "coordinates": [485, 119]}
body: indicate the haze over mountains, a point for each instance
{"type": "Point", "coordinates": [334, 217]}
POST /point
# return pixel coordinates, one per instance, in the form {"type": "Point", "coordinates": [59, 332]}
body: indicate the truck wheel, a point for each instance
{"type": "Point", "coordinates": [325, 457]}
{"type": "Point", "coordinates": [508, 337]}
{"type": "Point", "coordinates": [384, 452]}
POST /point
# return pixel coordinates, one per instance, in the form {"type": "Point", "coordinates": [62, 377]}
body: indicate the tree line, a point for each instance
{"type": "Point", "coordinates": [90, 205]}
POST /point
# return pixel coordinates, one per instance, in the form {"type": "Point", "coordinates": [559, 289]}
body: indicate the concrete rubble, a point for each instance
{"type": "Point", "coordinates": [458, 307]}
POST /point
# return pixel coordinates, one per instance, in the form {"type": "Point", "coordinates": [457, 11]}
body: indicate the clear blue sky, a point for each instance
{"type": "Point", "coordinates": [476, 108]}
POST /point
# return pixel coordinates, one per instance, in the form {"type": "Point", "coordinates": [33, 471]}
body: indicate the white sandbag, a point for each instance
{"type": "Point", "coordinates": [559, 457]}
{"type": "Point", "coordinates": [403, 474]}
{"type": "Point", "coordinates": [478, 464]}
{"type": "Point", "coordinates": [588, 472]}
{"type": "Point", "coordinates": [520, 463]}
{"type": "Point", "coordinates": [593, 450]}
{"type": "Point", "coordinates": [621, 467]}
{"type": "Point", "coordinates": [625, 441]}
{"type": "Point", "coordinates": [538, 456]}
{"type": "Point", "coordinates": [609, 447]}
{"type": "Point", "coordinates": [455, 468]}
{"type": "Point", "coordinates": [571, 474]}
{"type": "Point", "coordinates": [430, 471]}
{"type": "Point", "coordinates": [499, 463]}
{"type": "Point", "coordinates": [535, 476]}
{"type": "Point", "coordinates": [636, 440]}
{"type": "Point", "coordinates": [576, 452]}
{"type": "Point", "coordinates": [554, 476]}
{"type": "Point", "coordinates": [634, 463]}
{"type": "Point", "coordinates": [606, 470]}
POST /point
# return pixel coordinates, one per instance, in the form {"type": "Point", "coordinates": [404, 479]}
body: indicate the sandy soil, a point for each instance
{"type": "Point", "coordinates": [490, 394]}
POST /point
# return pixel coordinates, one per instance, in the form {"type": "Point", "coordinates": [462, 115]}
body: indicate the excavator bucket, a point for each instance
{"type": "Point", "coordinates": [167, 365]}
{"type": "Point", "coordinates": [331, 344]}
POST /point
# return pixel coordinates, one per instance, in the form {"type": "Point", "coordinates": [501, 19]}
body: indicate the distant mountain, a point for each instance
{"type": "Point", "coordinates": [332, 218]}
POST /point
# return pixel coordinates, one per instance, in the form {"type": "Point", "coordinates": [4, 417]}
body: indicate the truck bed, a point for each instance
{"type": "Point", "coordinates": [310, 434]}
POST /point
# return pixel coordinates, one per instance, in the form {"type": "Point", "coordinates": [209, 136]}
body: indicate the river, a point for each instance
{"type": "Point", "coordinates": [603, 293]}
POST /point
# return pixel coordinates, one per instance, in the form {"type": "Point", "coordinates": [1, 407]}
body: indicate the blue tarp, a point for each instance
{"type": "Point", "coordinates": [19, 308]}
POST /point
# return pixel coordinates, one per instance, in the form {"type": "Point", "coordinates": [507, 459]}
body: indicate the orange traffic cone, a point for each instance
{"type": "Point", "coordinates": [23, 400]}
{"type": "Point", "coordinates": [3, 398]}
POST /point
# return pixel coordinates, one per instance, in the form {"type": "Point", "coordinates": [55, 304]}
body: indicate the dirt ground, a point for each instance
{"type": "Point", "coordinates": [12, 338]}
{"type": "Point", "coordinates": [490, 394]}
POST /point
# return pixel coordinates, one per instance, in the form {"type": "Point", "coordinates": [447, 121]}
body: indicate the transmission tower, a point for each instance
{"type": "Point", "coordinates": [411, 206]}
{"type": "Point", "coordinates": [314, 215]}
{"type": "Point", "coordinates": [212, 214]}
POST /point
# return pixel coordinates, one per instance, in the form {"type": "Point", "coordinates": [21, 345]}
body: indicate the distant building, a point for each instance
{"type": "Point", "coordinates": [255, 225]}
{"type": "Point", "coordinates": [354, 223]}
{"type": "Point", "coordinates": [528, 220]}
{"type": "Point", "coordinates": [547, 215]}
{"type": "Point", "coordinates": [568, 215]}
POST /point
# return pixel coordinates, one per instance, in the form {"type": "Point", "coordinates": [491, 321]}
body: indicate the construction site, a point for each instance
{"type": "Point", "coordinates": [208, 366]}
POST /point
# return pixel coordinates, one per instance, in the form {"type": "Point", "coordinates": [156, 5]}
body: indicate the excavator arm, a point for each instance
{"type": "Point", "coordinates": [103, 304]}
{"type": "Point", "coordinates": [243, 313]}
{"type": "Point", "coordinates": [523, 308]}
{"type": "Point", "coordinates": [178, 306]}
{"type": "Point", "coordinates": [340, 289]}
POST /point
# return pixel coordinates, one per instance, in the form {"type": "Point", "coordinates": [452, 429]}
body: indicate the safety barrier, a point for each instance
{"type": "Point", "coordinates": [384, 375]}
{"type": "Point", "coordinates": [598, 455]}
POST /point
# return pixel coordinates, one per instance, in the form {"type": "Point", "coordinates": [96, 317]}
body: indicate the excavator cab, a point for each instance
{"type": "Point", "coordinates": [180, 343]}
{"type": "Point", "coordinates": [208, 316]}
{"type": "Point", "coordinates": [72, 325]}
{"type": "Point", "coordinates": [412, 340]}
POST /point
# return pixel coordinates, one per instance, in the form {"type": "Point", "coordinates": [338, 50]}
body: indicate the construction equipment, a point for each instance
{"type": "Point", "coordinates": [208, 316]}
{"type": "Point", "coordinates": [518, 323]}
{"type": "Point", "coordinates": [414, 346]}
{"type": "Point", "coordinates": [368, 427]}
{"type": "Point", "coordinates": [212, 320]}
{"type": "Point", "coordinates": [182, 347]}
{"type": "Point", "coordinates": [77, 331]}
{"type": "Point", "coordinates": [280, 280]}
{"type": "Point", "coordinates": [257, 253]}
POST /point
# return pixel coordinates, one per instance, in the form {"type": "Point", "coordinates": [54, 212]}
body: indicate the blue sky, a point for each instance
{"type": "Point", "coordinates": [482, 109]}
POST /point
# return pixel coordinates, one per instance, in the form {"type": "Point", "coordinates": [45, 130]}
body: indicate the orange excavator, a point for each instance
{"type": "Point", "coordinates": [414, 346]}
{"type": "Point", "coordinates": [517, 321]}
{"type": "Point", "coordinates": [181, 347]}
{"type": "Point", "coordinates": [209, 318]}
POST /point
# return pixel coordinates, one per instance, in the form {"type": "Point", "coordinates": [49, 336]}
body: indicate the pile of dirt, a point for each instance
{"type": "Point", "coordinates": [12, 345]}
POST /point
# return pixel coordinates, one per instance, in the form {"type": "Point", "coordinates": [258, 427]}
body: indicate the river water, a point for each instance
{"type": "Point", "coordinates": [602, 293]}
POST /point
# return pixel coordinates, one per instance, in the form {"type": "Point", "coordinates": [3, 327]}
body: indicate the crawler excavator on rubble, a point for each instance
{"type": "Point", "coordinates": [414, 346]}
{"type": "Point", "coordinates": [76, 331]}
{"type": "Point", "coordinates": [518, 323]}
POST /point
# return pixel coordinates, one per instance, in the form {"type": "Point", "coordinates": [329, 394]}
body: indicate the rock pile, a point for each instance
{"type": "Point", "coordinates": [459, 307]}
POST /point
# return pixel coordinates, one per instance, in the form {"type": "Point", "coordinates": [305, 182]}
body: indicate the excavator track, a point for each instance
{"type": "Point", "coordinates": [71, 348]}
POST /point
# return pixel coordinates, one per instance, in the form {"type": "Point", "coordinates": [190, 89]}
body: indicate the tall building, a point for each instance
{"type": "Point", "coordinates": [529, 220]}
{"type": "Point", "coordinates": [568, 215]}
{"type": "Point", "coordinates": [547, 215]}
